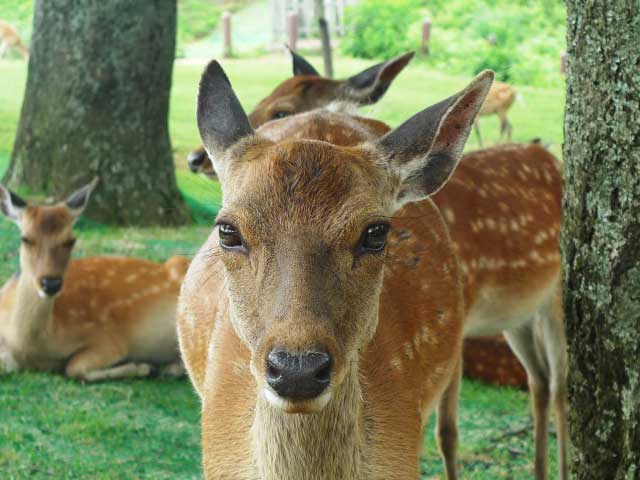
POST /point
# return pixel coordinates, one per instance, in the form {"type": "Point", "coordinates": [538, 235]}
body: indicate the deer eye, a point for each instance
{"type": "Point", "coordinates": [69, 243]}
{"type": "Point", "coordinates": [374, 238]}
{"type": "Point", "coordinates": [27, 241]}
{"type": "Point", "coordinates": [229, 236]}
{"type": "Point", "coordinates": [280, 114]}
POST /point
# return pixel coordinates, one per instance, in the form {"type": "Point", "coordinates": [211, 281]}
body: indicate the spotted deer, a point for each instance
{"type": "Point", "coordinates": [503, 210]}
{"type": "Point", "coordinates": [498, 102]}
{"type": "Point", "coordinates": [10, 38]}
{"type": "Point", "coordinates": [95, 318]}
{"type": "Point", "coordinates": [308, 90]}
{"type": "Point", "coordinates": [323, 318]}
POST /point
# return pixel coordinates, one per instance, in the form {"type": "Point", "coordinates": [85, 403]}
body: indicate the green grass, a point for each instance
{"type": "Point", "coordinates": [54, 428]}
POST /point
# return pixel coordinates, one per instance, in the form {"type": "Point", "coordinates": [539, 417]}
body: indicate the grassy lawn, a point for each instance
{"type": "Point", "coordinates": [54, 428]}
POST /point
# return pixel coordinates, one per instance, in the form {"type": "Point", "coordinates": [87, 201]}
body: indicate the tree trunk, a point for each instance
{"type": "Point", "coordinates": [325, 38]}
{"type": "Point", "coordinates": [97, 103]}
{"type": "Point", "coordinates": [601, 236]}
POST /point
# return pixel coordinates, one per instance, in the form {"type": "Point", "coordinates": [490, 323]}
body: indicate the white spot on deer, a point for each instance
{"type": "Point", "coordinates": [464, 267]}
{"type": "Point", "coordinates": [515, 227]}
{"type": "Point", "coordinates": [491, 223]}
{"type": "Point", "coordinates": [395, 363]}
{"type": "Point", "coordinates": [449, 215]}
{"type": "Point", "coordinates": [408, 351]}
{"type": "Point", "coordinates": [131, 278]}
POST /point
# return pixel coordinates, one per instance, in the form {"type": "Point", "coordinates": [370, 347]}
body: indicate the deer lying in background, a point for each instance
{"type": "Point", "coordinates": [308, 90]}
{"type": "Point", "coordinates": [295, 305]}
{"type": "Point", "coordinates": [96, 318]}
{"type": "Point", "coordinates": [500, 98]}
{"type": "Point", "coordinates": [10, 38]}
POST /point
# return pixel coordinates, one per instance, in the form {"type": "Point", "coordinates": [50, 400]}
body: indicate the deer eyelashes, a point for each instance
{"type": "Point", "coordinates": [374, 238]}
{"type": "Point", "coordinates": [230, 238]}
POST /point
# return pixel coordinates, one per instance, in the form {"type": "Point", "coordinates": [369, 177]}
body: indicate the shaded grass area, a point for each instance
{"type": "Point", "coordinates": [54, 428]}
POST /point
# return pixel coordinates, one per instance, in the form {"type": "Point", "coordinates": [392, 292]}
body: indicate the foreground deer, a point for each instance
{"type": "Point", "coordinates": [307, 90]}
{"type": "Point", "coordinates": [10, 38]}
{"type": "Point", "coordinates": [296, 306]}
{"type": "Point", "coordinates": [97, 318]}
{"type": "Point", "coordinates": [500, 98]}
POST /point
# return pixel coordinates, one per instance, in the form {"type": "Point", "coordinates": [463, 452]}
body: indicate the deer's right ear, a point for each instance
{"type": "Point", "coordinates": [423, 152]}
{"type": "Point", "coordinates": [77, 202]}
{"type": "Point", "coordinates": [301, 66]}
{"type": "Point", "coordinates": [221, 119]}
{"type": "Point", "coordinates": [11, 205]}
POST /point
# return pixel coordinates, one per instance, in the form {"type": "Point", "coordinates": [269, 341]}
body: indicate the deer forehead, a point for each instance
{"type": "Point", "coordinates": [311, 183]}
{"type": "Point", "coordinates": [55, 221]}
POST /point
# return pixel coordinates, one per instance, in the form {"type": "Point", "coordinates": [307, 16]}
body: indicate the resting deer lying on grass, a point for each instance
{"type": "Point", "coordinates": [296, 305]}
{"type": "Point", "coordinates": [10, 38]}
{"type": "Point", "coordinates": [96, 318]}
{"type": "Point", "coordinates": [308, 90]}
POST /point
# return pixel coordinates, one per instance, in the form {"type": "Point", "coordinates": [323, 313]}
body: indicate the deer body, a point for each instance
{"type": "Point", "coordinates": [318, 353]}
{"type": "Point", "coordinates": [498, 102]}
{"type": "Point", "coordinates": [10, 38]}
{"type": "Point", "coordinates": [95, 318]}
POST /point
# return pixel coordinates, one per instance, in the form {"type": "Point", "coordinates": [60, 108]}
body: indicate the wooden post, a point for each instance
{"type": "Point", "coordinates": [292, 29]}
{"type": "Point", "coordinates": [226, 29]}
{"type": "Point", "coordinates": [563, 63]}
{"type": "Point", "coordinates": [426, 34]}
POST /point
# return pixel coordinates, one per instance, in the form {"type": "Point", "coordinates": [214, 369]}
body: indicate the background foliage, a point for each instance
{"type": "Point", "coordinates": [528, 36]}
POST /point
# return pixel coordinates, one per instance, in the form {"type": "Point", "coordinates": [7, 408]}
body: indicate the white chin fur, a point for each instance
{"type": "Point", "coordinates": [314, 404]}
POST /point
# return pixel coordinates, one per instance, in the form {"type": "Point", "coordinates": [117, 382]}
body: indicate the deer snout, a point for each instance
{"type": "Point", "coordinates": [196, 160]}
{"type": "Point", "coordinates": [299, 376]}
{"type": "Point", "coordinates": [50, 285]}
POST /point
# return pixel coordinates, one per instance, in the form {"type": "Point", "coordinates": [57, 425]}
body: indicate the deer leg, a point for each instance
{"type": "Point", "coordinates": [94, 365]}
{"type": "Point", "coordinates": [505, 127]}
{"type": "Point", "coordinates": [476, 127]}
{"type": "Point", "coordinates": [3, 48]}
{"type": "Point", "coordinates": [522, 342]}
{"type": "Point", "coordinates": [554, 344]}
{"type": "Point", "coordinates": [447, 426]}
{"type": "Point", "coordinates": [175, 370]}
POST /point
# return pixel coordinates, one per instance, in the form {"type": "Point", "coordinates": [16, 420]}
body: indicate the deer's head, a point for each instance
{"type": "Point", "coordinates": [46, 234]}
{"type": "Point", "coordinates": [303, 231]}
{"type": "Point", "coordinates": [308, 90]}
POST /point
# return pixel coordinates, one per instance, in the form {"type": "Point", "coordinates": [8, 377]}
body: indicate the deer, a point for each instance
{"type": "Point", "coordinates": [308, 90]}
{"type": "Point", "coordinates": [525, 188]}
{"type": "Point", "coordinates": [93, 319]}
{"type": "Point", "coordinates": [500, 98]}
{"type": "Point", "coordinates": [323, 318]}
{"type": "Point", "coordinates": [10, 38]}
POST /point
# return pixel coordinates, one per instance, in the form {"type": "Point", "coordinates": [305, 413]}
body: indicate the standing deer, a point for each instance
{"type": "Point", "coordinates": [502, 207]}
{"type": "Point", "coordinates": [10, 38]}
{"type": "Point", "coordinates": [308, 90]}
{"type": "Point", "coordinates": [97, 318]}
{"type": "Point", "coordinates": [318, 351]}
{"type": "Point", "coordinates": [500, 98]}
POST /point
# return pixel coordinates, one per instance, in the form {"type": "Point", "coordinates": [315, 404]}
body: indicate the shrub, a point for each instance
{"type": "Point", "coordinates": [378, 28]}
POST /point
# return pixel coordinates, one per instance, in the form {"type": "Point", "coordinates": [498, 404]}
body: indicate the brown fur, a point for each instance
{"type": "Point", "coordinates": [405, 360]}
{"type": "Point", "coordinates": [10, 38]}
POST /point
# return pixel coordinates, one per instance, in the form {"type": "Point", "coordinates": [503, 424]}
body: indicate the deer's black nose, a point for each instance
{"type": "Point", "coordinates": [196, 159]}
{"type": "Point", "coordinates": [51, 285]}
{"type": "Point", "coordinates": [298, 376]}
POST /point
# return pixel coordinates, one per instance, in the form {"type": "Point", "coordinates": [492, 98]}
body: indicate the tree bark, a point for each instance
{"type": "Point", "coordinates": [601, 236]}
{"type": "Point", "coordinates": [97, 103]}
{"type": "Point", "coordinates": [325, 38]}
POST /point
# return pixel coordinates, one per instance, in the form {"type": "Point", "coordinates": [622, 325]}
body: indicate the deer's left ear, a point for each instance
{"type": "Point", "coordinates": [77, 202]}
{"type": "Point", "coordinates": [301, 66]}
{"type": "Point", "coordinates": [423, 152]}
{"type": "Point", "coordinates": [11, 205]}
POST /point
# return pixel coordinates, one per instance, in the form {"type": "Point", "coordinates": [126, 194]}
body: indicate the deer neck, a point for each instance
{"type": "Point", "coordinates": [31, 313]}
{"type": "Point", "coordinates": [326, 445]}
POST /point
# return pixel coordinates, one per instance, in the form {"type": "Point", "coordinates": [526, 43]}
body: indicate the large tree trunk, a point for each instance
{"type": "Point", "coordinates": [601, 236]}
{"type": "Point", "coordinates": [96, 103]}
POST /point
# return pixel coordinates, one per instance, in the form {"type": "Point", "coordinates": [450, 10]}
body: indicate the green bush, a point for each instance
{"type": "Point", "coordinates": [527, 36]}
{"type": "Point", "coordinates": [378, 28]}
